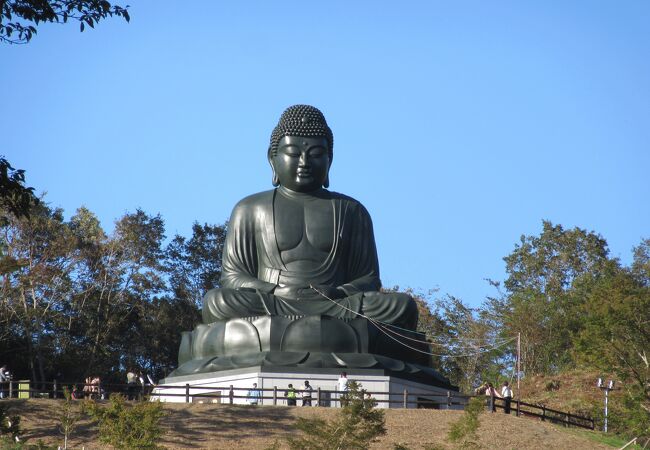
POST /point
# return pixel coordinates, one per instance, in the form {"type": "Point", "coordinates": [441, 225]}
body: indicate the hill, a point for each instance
{"type": "Point", "coordinates": [207, 426]}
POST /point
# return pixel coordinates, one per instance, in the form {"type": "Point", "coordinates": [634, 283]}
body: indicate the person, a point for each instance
{"type": "Point", "coordinates": [5, 377]}
{"type": "Point", "coordinates": [76, 393]}
{"type": "Point", "coordinates": [87, 389]}
{"type": "Point", "coordinates": [301, 249]}
{"type": "Point", "coordinates": [291, 395]}
{"type": "Point", "coordinates": [491, 393]}
{"type": "Point", "coordinates": [343, 387]}
{"type": "Point", "coordinates": [131, 383]}
{"type": "Point", "coordinates": [307, 393]}
{"type": "Point", "coordinates": [506, 393]}
{"type": "Point", "coordinates": [254, 395]}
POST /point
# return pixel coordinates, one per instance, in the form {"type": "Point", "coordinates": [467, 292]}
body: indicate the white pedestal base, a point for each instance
{"type": "Point", "coordinates": [216, 388]}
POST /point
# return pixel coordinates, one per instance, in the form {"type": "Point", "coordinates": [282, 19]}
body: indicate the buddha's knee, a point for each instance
{"type": "Point", "coordinates": [216, 305]}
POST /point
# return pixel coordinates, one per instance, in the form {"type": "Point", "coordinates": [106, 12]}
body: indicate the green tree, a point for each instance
{"type": "Point", "coordinates": [19, 18]}
{"type": "Point", "coordinates": [469, 342]}
{"type": "Point", "coordinates": [615, 338]}
{"type": "Point", "coordinates": [37, 291]}
{"type": "Point", "coordinates": [538, 300]}
{"type": "Point", "coordinates": [358, 424]}
{"type": "Point", "coordinates": [15, 197]}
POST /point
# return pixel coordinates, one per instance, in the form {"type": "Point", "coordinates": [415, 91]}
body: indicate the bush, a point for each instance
{"type": "Point", "coordinates": [128, 427]}
{"type": "Point", "coordinates": [358, 424]}
{"type": "Point", "coordinates": [463, 431]}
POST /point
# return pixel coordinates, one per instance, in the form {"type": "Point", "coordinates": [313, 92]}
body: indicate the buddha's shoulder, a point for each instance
{"type": "Point", "coordinates": [351, 202]}
{"type": "Point", "coordinates": [257, 200]}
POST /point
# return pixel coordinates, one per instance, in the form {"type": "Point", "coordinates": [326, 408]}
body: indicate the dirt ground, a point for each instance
{"type": "Point", "coordinates": [206, 426]}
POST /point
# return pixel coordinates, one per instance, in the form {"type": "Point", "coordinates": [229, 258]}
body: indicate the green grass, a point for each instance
{"type": "Point", "coordinates": [603, 438]}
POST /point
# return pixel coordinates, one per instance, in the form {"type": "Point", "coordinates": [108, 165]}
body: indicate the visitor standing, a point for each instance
{"type": "Point", "coordinates": [343, 387]}
{"type": "Point", "coordinates": [506, 393]}
{"type": "Point", "coordinates": [291, 395]}
{"type": "Point", "coordinates": [254, 395]}
{"type": "Point", "coordinates": [307, 392]}
{"type": "Point", "coordinates": [5, 376]}
{"type": "Point", "coordinates": [491, 394]}
{"type": "Point", "coordinates": [131, 385]}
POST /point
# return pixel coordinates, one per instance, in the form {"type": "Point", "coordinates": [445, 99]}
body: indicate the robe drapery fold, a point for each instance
{"type": "Point", "coordinates": [252, 267]}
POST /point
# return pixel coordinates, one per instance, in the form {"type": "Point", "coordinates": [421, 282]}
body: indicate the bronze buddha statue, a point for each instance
{"type": "Point", "coordinates": [300, 277]}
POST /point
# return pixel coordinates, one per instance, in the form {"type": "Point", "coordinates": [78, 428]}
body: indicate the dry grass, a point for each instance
{"type": "Point", "coordinates": [205, 426]}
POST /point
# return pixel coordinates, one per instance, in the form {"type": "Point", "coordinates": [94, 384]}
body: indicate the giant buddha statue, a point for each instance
{"type": "Point", "coordinates": [300, 279]}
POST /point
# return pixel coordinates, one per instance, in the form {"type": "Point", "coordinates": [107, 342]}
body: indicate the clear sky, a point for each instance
{"type": "Point", "coordinates": [460, 125]}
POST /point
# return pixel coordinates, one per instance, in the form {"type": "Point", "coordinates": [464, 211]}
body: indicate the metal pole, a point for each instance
{"type": "Point", "coordinates": [187, 392]}
{"type": "Point", "coordinates": [406, 397]}
{"type": "Point", "coordinates": [606, 392]}
{"type": "Point", "coordinates": [518, 366]}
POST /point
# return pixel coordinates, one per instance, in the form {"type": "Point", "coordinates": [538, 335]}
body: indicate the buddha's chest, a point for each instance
{"type": "Point", "coordinates": [304, 225]}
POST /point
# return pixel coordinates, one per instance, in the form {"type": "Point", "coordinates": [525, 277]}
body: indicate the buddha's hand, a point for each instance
{"type": "Point", "coordinates": [328, 292]}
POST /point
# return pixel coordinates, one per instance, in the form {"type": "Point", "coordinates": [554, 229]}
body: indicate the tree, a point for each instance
{"type": "Point", "coordinates": [194, 265]}
{"type": "Point", "coordinates": [615, 338]}
{"type": "Point", "coordinates": [15, 197]}
{"type": "Point", "coordinates": [19, 18]}
{"type": "Point", "coordinates": [35, 294]}
{"type": "Point", "coordinates": [358, 424]}
{"type": "Point", "coordinates": [470, 341]}
{"type": "Point", "coordinates": [538, 302]}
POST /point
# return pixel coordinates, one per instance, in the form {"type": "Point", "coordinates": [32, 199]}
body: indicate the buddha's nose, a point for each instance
{"type": "Point", "coordinates": [303, 159]}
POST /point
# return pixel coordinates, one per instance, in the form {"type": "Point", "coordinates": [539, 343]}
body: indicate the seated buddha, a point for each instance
{"type": "Point", "coordinates": [300, 249]}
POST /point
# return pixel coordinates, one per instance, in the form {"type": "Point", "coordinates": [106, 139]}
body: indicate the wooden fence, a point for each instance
{"type": "Point", "coordinates": [321, 397]}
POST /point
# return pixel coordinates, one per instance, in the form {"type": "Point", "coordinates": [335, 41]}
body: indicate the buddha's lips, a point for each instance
{"type": "Point", "coordinates": [303, 174]}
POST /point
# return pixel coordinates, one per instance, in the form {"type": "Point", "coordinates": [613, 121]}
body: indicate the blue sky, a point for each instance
{"type": "Point", "coordinates": [460, 125]}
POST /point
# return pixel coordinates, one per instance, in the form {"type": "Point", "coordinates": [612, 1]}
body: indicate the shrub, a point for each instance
{"type": "Point", "coordinates": [128, 427]}
{"type": "Point", "coordinates": [463, 431]}
{"type": "Point", "coordinates": [358, 424]}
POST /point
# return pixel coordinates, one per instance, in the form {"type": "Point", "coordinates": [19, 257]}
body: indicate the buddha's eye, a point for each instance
{"type": "Point", "coordinates": [317, 152]}
{"type": "Point", "coordinates": [291, 151]}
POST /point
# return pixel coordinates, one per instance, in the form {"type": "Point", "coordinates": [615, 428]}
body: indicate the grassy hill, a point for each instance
{"type": "Point", "coordinates": [207, 426]}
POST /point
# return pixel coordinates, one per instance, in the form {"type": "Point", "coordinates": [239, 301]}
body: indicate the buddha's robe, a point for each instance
{"type": "Point", "coordinates": [281, 242]}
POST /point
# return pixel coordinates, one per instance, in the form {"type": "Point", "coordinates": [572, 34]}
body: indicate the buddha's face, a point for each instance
{"type": "Point", "coordinates": [301, 163]}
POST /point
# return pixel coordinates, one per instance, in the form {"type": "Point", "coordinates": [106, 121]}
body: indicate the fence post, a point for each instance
{"type": "Point", "coordinates": [448, 399]}
{"type": "Point", "coordinates": [54, 389]}
{"type": "Point", "coordinates": [518, 407]}
{"type": "Point", "coordinates": [543, 413]}
{"type": "Point", "coordinates": [275, 395]}
{"type": "Point", "coordinates": [11, 387]}
{"type": "Point", "coordinates": [187, 392]}
{"type": "Point", "coordinates": [491, 403]}
{"type": "Point", "coordinates": [566, 417]}
{"type": "Point", "coordinates": [318, 397]}
{"type": "Point", "coordinates": [406, 398]}
{"type": "Point", "coordinates": [231, 394]}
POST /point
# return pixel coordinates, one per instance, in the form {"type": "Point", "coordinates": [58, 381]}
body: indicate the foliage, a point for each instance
{"type": "Point", "coordinates": [15, 197]}
{"type": "Point", "coordinates": [9, 424]}
{"type": "Point", "coordinates": [463, 431]}
{"type": "Point", "coordinates": [69, 415]}
{"type": "Point", "coordinates": [615, 338]}
{"type": "Point", "coordinates": [469, 338]}
{"type": "Point", "coordinates": [126, 427]}
{"type": "Point", "coordinates": [358, 424]}
{"type": "Point", "coordinates": [19, 18]}
{"type": "Point", "coordinates": [538, 301]}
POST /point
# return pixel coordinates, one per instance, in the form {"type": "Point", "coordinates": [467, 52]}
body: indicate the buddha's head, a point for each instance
{"type": "Point", "coordinates": [300, 152]}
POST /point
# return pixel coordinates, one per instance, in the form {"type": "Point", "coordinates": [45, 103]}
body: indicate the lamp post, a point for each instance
{"type": "Point", "coordinates": [605, 387]}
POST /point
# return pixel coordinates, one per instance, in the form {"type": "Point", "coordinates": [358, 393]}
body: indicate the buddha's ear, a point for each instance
{"type": "Point", "coordinates": [275, 180]}
{"type": "Point", "coordinates": [326, 183]}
